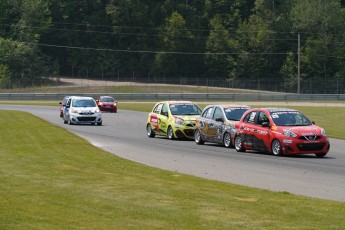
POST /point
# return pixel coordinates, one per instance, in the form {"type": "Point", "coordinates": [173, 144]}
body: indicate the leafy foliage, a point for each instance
{"type": "Point", "coordinates": [178, 39]}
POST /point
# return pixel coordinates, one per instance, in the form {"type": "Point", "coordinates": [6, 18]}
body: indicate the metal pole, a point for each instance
{"type": "Point", "coordinates": [299, 66]}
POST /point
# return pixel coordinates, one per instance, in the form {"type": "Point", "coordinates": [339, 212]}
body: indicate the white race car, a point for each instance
{"type": "Point", "coordinates": [82, 110]}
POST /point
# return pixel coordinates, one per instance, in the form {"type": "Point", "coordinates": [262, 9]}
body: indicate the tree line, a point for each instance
{"type": "Point", "coordinates": [218, 39]}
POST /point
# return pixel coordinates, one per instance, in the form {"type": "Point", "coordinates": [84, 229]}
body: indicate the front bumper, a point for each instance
{"type": "Point", "coordinates": [292, 146]}
{"type": "Point", "coordinates": [86, 119]}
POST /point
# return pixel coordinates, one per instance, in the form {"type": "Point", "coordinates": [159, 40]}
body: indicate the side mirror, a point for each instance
{"type": "Point", "coordinates": [265, 124]}
{"type": "Point", "coordinates": [68, 106]}
{"type": "Point", "coordinates": [313, 122]}
{"type": "Point", "coordinates": [60, 103]}
{"type": "Point", "coordinates": [219, 119]}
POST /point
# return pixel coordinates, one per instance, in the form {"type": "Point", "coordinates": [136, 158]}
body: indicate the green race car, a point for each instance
{"type": "Point", "coordinates": [175, 119]}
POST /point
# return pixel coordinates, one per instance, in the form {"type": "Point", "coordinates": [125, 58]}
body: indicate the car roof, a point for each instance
{"type": "Point", "coordinates": [226, 106]}
{"type": "Point", "coordinates": [180, 102]}
{"type": "Point", "coordinates": [272, 110]}
{"type": "Point", "coordinates": [80, 97]}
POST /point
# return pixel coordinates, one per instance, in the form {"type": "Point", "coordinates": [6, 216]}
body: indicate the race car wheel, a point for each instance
{"type": "Point", "coordinates": [69, 121]}
{"type": "Point", "coordinates": [99, 123]}
{"type": "Point", "coordinates": [276, 148]}
{"type": "Point", "coordinates": [227, 140]}
{"type": "Point", "coordinates": [320, 155]}
{"type": "Point", "coordinates": [149, 131]}
{"type": "Point", "coordinates": [239, 145]}
{"type": "Point", "coordinates": [197, 138]}
{"type": "Point", "coordinates": [171, 133]}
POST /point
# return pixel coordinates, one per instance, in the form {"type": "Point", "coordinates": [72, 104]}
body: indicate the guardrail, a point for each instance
{"type": "Point", "coordinates": [183, 96]}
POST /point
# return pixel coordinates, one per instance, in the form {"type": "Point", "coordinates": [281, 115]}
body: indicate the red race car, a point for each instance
{"type": "Point", "coordinates": [107, 103]}
{"type": "Point", "coordinates": [280, 131]}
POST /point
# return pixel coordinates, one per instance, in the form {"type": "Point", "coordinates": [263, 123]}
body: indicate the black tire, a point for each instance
{"type": "Point", "coordinates": [227, 140]}
{"type": "Point", "coordinates": [99, 123]}
{"type": "Point", "coordinates": [238, 144]}
{"type": "Point", "coordinates": [69, 121]}
{"type": "Point", "coordinates": [320, 155]}
{"type": "Point", "coordinates": [276, 148]}
{"type": "Point", "coordinates": [170, 133]}
{"type": "Point", "coordinates": [197, 137]}
{"type": "Point", "coordinates": [149, 131]}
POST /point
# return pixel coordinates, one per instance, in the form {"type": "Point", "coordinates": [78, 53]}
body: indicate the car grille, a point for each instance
{"type": "Point", "coordinates": [311, 146]}
{"type": "Point", "coordinates": [189, 132]}
{"type": "Point", "coordinates": [86, 118]}
{"type": "Point", "coordinates": [86, 113]}
{"type": "Point", "coordinates": [309, 138]}
{"type": "Point", "coordinates": [191, 124]}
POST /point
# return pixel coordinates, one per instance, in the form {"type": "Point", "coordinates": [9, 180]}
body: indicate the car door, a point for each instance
{"type": "Point", "coordinates": [217, 126]}
{"type": "Point", "coordinates": [163, 118]}
{"type": "Point", "coordinates": [261, 142]}
{"type": "Point", "coordinates": [205, 122]}
{"type": "Point", "coordinates": [66, 110]}
{"type": "Point", "coordinates": [247, 130]}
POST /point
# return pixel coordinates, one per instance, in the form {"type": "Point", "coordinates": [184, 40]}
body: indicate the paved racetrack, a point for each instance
{"type": "Point", "coordinates": [124, 135]}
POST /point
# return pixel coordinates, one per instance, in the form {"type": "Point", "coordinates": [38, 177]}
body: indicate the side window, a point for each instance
{"type": "Point", "coordinates": [250, 118]}
{"type": "Point", "coordinates": [69, 102]}
{"type": "Point", "coordinates": [164, 110]}
{"type": "Point", "coordinates": [158, 107]}
{"type": "Point", "coordinates": [218, 113]}
{"type": "Point", "coordinates": [262, 117]}
{"type": "Point", "coordinates": [208, 113]}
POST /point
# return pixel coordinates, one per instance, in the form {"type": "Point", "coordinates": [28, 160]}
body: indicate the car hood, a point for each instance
{"type": "Point", "coordinates": [304, 130]}
{"type": "Point", "coordinates": [86, 109]}
{"type": "Point", "coordinates": [187, 117]}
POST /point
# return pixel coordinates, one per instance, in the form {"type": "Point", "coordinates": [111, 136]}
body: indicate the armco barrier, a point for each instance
{"type": "Point", "coordinates": [183, 96]}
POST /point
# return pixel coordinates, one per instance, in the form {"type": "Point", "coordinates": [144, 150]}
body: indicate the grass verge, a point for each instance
{"type": "Point", "coordinates": [52, 179]}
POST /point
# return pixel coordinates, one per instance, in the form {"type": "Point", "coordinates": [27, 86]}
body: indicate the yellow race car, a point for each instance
{"type": "Point", "coordinates": [175, 119]}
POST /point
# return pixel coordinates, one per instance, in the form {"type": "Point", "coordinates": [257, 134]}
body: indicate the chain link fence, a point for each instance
{"type": "Point", "coordinates": [112, 82]}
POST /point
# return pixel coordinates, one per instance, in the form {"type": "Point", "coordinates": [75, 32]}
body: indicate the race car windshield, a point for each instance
{"type": "Point", "coordinates": [234, 114]}
{"type": "Point", "coordinates": [290, 118]}
{"type": "Point", "coordinates": [184, 109]}
{"type": "Point", "coordinates": [83, 103]}
{"type": "Point", "coordinates": [106, 99]}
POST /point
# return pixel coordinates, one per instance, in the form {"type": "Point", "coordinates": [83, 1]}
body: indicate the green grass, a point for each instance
{"type": "Point", "coordinates": [52, 179]}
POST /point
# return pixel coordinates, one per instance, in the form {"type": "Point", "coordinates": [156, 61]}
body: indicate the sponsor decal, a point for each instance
{"type": "Point", "coordinates": [154, 120]}
{"type": "Point", "coordinates": [252, 130]}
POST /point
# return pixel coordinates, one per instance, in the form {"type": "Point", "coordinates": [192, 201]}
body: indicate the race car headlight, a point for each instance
{"type": "Point", "coordinates": [97, 111]}
{"type": "Point", "coordinates": [323, 132]}
{"type": "Point", "coordinates": [179, 121]}
{"type": "Point", "coordinates": [289, 133]}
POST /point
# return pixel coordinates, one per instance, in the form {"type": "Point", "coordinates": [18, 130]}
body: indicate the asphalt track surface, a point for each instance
{"type": "Point", "coordinates": [124, 134]}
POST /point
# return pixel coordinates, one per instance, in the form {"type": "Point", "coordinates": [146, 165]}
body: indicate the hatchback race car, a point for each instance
{"type": "Point", "coordinates": [280, 131]}
{"type": "Point", "coordinates": [174, 119]}
{"type": "Point", "coordinates": [107, 103]}
{"type": "Point", "coordinates": [217, 124]}
{"type": "Point", "coordinates": [82, 110]}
